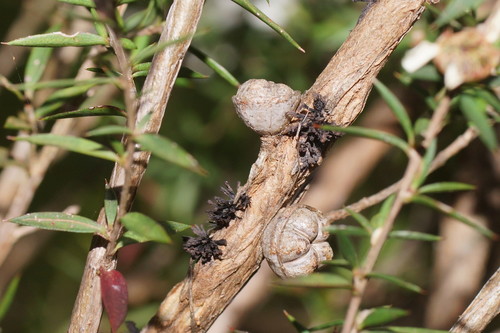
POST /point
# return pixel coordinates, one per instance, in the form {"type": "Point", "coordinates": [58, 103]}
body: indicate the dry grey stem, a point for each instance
{"type": "Point", "coordinates": [483, 309]}
{"type": "Point", "coordinates": [344, 85]}
{"type": "Point", "coordinates": [181, 22]}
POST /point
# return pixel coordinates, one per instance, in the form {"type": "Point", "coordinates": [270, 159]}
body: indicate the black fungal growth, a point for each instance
{"type": "Point", "coordinates": [312, 140]}
{"type": "Point", "coordinates": [203, 247]}
{"type": "Point", "coordinates": [224, 211]}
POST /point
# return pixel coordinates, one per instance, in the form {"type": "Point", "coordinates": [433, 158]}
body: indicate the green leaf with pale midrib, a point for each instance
{"type": "Point", "coordinates": [71, 143]}
{"type": "Point", "coordinates": [169, 151]}
{"type": "Point", "coordinates": [92, 111]}
{"type": "Point", "coordinates": [60, 222]}
{"type": "Point", "coordinates": [143, 228]}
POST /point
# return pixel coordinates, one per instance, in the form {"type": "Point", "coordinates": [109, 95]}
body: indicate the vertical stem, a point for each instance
{"type": "Point", "coordinates": [378, 239]}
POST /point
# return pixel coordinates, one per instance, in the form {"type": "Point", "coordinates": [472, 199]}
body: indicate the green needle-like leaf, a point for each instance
{"type": "Point", "coordinates": [397, 109]}
{"type": "Point", "coordinates": [217, 68]}
{"type": "Point", "coordinates": [109, 130]}
{"type": "Point", "coordinates": [91, 111]}
{"type": "Point", "coordinates": [145, 228]}
{"type": "Point", "coordinates": [298, 326]}
{"type": "Point", "coordinates": [60, 39]}
{"type": "Point", "coordinates": [60, 222]}
{"type": "Point", "coordinates": [474, 110]}
{"type": "Point", "coordinates": [402, 329]}
{"type": "Point", "coordinates": [371, 134]}
{"type": "Point", "coordinates": [319, 280]}
{"type": "Point", "coordinates": [427, 201]}
{"type": "Point", "coordinates": [247, 5]}
{"type": "Point", "coordinates": [169, 151]}
{"type": "Point", "coordinates": [361, 219]}
{"type": "Point", "coordinates": [383, 315]}
{"type": "Point", "coordinates": [445, 187]}
{"type": "Point", "coordinates": [397, 281]}
{"type": "Point", "coordinates": [8, 296]}
{"type": "Point", "coordinates": [347, 230]}
{"type": "Point", "coordinates": [110, 205]}
{"type": "Point", "coordinates": [71, 143]}
{"type": "Point", "coordinates": [414, 235]}
{"type": "Point", "coordinates": [85, 3]}
{"type": "Point", "coordinates": [347, 249]}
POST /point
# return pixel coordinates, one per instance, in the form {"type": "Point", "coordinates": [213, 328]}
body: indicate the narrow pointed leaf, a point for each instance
{"type": "Point", "coordinates": [347, 230]}
{"type": "Point", "coordinates": [16, 123]}
{"type": "Point", "coordinates": [319, 280]}
{"type": "Point", "coordinates": [474, 110]}
{"type": "Point", "coordinates": [250, 7]}
{"type": "Point", "coordinates": [64, 83]}
{"type": "Point", "coordinates": [110, 205]}
{"type": "Point", "coordinates": [60, 222]}
{"type": "Point", "coordinates": [379, 218]}
{"type": "Point", "coordinates": [397, 109]}
{"type": "Point", "coordinates": [334, 323]}
{"type": "Point", "coordinates": [37, 61]}
{"type": "Point", "coordinates": [109, 130]}
{"type": "Point", "coordinates": [336, 262]}
{"type": "Point", "coordinates": [429, 155]}
{"type": "Point", "coordinates": [169, 151]}
{"type": "Point", "coordinates": [8, 296]}
{"type": "Point", "coordinates": [381, 316]}
{"type": "Point", "coordinates": [427, 201]}
{"type": "Point", "coordinates": [217, 68]}
{"type": "Point", "coordinates": [71, 143]}
{"type": "Point", "coordinates": [149, 51]}
{"type": "Point", "coordinates": [177, 226]}
{"type": "Point", "coordinates": [397, 281]}
{"type": "Point", "coordinates": [445, 187]}
{"type": "Point", "coordinates": [371, 134]}
{"type": "Point", "coordinates": [361, 219]}
{"type": "Point", "coordinates": [48, 108]}
{"type": "Point", "coordinates": [59, 39]}
{"type": "Point", "coordinates": [85, 3]}
{"type": "Point", "coordinates": [91, 111]}
{"type": "Point", "coordinates": [298, 326]}
{"type": "Point", "coordinates": [69, 92]}
{"type": "Point", "coordinates": [347, 249]}
{"type": "Point", "coordinates": [114, 295]}
{"type": "Point", "coordinates": [414, 235]}
{"type": "Point", "coordinates": [144, 227]}
{"type": "Point", "coordinates": [402, 329]}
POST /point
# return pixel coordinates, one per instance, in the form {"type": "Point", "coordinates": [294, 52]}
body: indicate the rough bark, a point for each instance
{"type": "Point", "coordinates": [274, 180]}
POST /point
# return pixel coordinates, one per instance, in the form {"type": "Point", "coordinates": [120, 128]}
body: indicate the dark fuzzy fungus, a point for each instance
{"type": "Point", "coordinates": [312, 140]}
{"type": "Point", "coordinates": [203, 247]}
{"type": "Point", "coordinates": [223, 211]}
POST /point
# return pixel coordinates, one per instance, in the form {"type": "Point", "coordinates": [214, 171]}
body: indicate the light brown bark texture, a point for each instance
{"type": "Point", "coordinates": [193, 304]}
{"type": "Point", "coordinates": [483, 309]}
{"type": "Point", "coordinates": [180, 25]}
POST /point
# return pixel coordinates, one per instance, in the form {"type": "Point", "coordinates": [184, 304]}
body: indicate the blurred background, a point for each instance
{"type": "Point", "coordinates": [201, 118]}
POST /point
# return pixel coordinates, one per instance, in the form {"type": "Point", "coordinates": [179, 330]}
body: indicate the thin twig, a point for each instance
{"type": "Point", "coordinates": [378, 239]}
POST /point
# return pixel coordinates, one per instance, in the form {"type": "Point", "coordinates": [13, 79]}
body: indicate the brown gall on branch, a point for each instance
{"type": "Point", "coordinates": [275, 181]}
